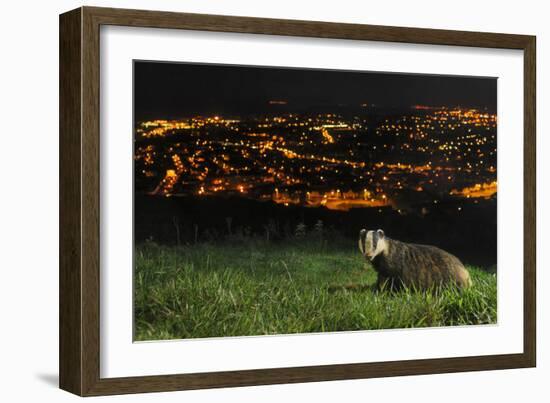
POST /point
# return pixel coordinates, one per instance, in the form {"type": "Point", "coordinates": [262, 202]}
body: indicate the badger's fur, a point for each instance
{"type": "Point", "coordinates": [404, 264]}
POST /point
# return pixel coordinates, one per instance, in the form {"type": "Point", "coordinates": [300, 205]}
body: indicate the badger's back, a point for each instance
{"type": "Point", "coordinates": [420, 266]}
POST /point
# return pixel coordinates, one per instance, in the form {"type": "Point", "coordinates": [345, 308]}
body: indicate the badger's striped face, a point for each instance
{"type": "Point", "coordinates": [371, 243]}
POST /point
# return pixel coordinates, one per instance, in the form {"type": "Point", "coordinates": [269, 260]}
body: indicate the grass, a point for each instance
{"type": "Point", "coordinates": [256, 288]}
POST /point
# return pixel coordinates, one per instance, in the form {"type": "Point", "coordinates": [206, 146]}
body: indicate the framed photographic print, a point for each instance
{"type": "Point", "coordinates": [249, 201]}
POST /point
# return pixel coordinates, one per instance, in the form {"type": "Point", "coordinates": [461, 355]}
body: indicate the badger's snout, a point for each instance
{"type": "Point", "coordinates": [362, 240]}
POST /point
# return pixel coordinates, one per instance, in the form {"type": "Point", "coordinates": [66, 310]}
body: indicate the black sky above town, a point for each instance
{"type": "Point", "coordinates": [173, 90]}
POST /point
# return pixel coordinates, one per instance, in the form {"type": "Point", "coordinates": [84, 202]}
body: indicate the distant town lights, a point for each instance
{"type": "Point", "coordinates": [253, 159]}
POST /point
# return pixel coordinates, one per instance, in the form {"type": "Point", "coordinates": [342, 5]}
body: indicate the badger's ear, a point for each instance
{"type": "Point", "coordinates": [380, 233]}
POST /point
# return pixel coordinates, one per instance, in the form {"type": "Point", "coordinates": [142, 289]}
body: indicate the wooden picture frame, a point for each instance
{"type": "Point", "coordinates": [79, 201]}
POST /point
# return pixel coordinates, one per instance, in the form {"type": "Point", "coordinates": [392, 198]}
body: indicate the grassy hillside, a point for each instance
{"type": "Point", "coordinates": [256, 288]}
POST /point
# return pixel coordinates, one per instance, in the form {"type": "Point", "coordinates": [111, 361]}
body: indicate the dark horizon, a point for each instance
{"type": "Point", "coordinates": [167, 90]}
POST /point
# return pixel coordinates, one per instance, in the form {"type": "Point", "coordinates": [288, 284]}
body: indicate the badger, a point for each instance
{"type": "Point", "coordinates": [400, 264]}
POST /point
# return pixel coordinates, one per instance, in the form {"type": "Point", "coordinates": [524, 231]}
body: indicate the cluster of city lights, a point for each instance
{"type": "Point", "coordinates": [330, 160]}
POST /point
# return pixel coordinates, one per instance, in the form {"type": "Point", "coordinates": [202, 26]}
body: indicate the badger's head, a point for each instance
{"type": "Point", "coordinates": [371, 243]}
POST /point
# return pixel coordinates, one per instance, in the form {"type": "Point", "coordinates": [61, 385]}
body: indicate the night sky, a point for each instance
{"type": "Point", "coordinates": [173, 90]}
